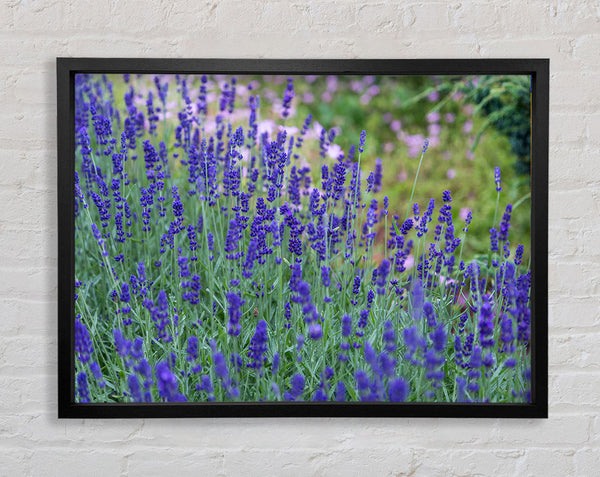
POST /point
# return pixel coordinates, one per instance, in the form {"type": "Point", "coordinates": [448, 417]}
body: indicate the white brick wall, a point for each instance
{"type": "Point", "coordinates": [33, 33]}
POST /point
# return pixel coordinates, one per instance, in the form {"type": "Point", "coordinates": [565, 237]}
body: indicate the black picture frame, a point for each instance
{"type": "Point", "coordinates": [67, 68]}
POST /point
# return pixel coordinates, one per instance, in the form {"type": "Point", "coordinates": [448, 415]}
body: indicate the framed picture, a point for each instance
{"type": "Point", "coordinates": [268, 238]}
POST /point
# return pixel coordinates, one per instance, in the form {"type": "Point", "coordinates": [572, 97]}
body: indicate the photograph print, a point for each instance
{"type": "Point", "coordinates": [283, 238]}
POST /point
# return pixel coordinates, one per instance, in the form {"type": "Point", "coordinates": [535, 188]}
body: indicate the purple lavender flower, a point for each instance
{"type": "Point", "coordinates": [370, 181]}
{"type": "Point", "coordinates": [382, 274]}
{"type": "Point", "coordinates": [287, 99]}
{"type": "Point", "coordinates": [162, 89]}
{"type": "Point", "coordinates": [220, 366]}
{"type": "Point", "coordinates": [425, 219]}
{"type": "Point", "coordinates": [510, 363]}
{"type": "Point", "coordinates": [235, 313]}
{"type": "Point", "coordinates": [474, 373]}
{"type": "Point", "coordinates": [82, 387]}
{"type": "Point", "coordinates": [340, 392]}
{"type": "Point", "coordinates": [166, 382]}
{"type": "Point", "coordinates": [97, 372]}
{"type": "Point", "coordinates": [134, 388]}
{"type": "Point", "coordinates": [439, 338]}
{"type": "Point", "coordinates": [315, 331]}
{"type": "Point", "coordinates": [398, 390]}
{"type": "Point", "coordinates": [497, 179]}
{"type": "Point", "coordinates": [83, 343]}
{"type": "Point", "coordinates": [468, 220]}
{"type": "Point", "coordinates": [137, 348]}
{"type": "Point", "coordinates": [493, 240]}
{"type": "Point", "coordinates": [206, 386]}
{"type": "Point", "coordinates": [378, 175]}
{"type": "Point", "coordinates": [258, 347]}
{"type": "Point", "coordinates": [340, 179]}
{"type": "Point", "coordinates": [505, 224]}
{"type": "Point", "coordinates": [122, 345]}
{"type": "Point", "coordinates": [251, 256]}
{"type": "Point", "coordinates": [192, 349]}
{"type": "Point", "coordinates": [519, 254]}
{"type": "Point", "coordinates": [356, 285]}
{"type": "Point", "coordinates": [413, 341]}
{"type": "Point", "coordinates": [314, 203]}
{"type": "Point", "coordinates": [346, 326]}
{"type": "Point", "coordinates": [125, 296]}
{"type": "Point", "coordinates": [430, 315]}
{"type": "Point", "coordinates": [362, 382]}
{"type": "Point", "coordinates": [486, 324]}
{"type": "Point", "coordinates": [297, 389]}
{"type": "Point", "coordinates": [363, 140]}
{"type": "Point", "coordinates": [325, 276]}
{"type": "Point", "coordinates": [389, 337]}
{"type": "Point", "coordinates": [160, 315]}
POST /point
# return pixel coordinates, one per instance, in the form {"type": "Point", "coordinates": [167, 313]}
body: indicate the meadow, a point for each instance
{"type": "Point", "coordinates": [306, 238]}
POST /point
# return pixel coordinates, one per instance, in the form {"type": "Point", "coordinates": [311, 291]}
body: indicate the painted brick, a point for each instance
{"type": "Point", "coordinates": [444, 462]}
{"type": "Point", "coordinates": [548, 462]}
{"type": "Point", "coordinates": [576, 388]}
{"type": "Point", "coordinates": [574, 313]}
{"type": "Point", "coordinates": [575, 351]}
{"type": "Point", "coordinates": [89, 461]}
{"type": "Point", "coordinates": [587, 461]}
{"type": "Point", "coordinates": [162, 461]}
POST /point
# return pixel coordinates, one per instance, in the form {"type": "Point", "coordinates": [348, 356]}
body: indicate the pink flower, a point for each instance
{"type": "Point", "coordinates": [457, 96]}
{"type": "Point", "coordinates": [414, 143]}
{"type": "Point", "coordinates": [332, 83]}
{"type": "Point", "coordinates": [373, 90]}
{"type": "Point", "coordinates": [356, 86]}
{"type": "Point", "coordinates": [464, 212]}
{"type": "Point", "coordinates": [369, 80]}
{"type": "Point", "coordinates": [433, 117]}
{"type": "Point", "coordinates": [470, 155]}
{"type": "Point", "coordinates": [433, 96]}
{"type": "Point", "coordinates": [449, 117]}
{"type": "Point", "coordinates": [334, 151]}
{"type": "Point", "coordinates": [396, 125]}
{"type": "Point", "coordinates": [290, 130]}
{"type": "Point", "coordinates": [467, 126]}
{"type": "Point", "coordinates": [451, 174]}
{"type": "Point", "coordinates": [434, 129]}
{"type": "Point", "coordinates": [266, 126]}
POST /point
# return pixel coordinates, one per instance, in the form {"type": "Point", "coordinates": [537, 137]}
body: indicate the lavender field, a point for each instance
{"type": "Point", "coordinates": [301, 238]}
